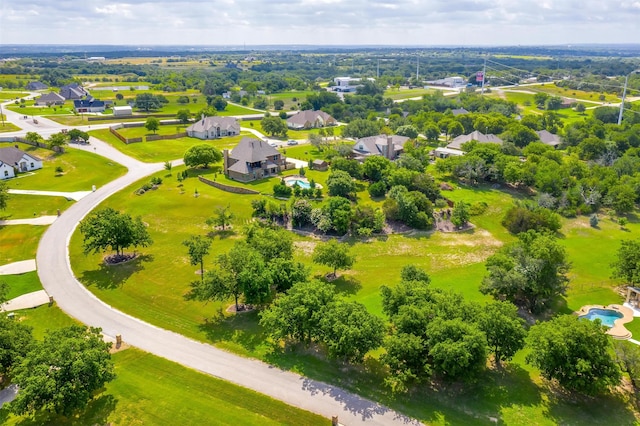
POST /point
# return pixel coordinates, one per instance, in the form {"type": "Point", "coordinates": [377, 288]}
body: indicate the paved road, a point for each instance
{"type": "Point", "coordinates": [26, 301]}
{"type": "Point", "coordinates": [20, 267]}
{"type": "Point", "coordinates": [37, 221]}
{"type": "Point", "coordinates": [74, 299]}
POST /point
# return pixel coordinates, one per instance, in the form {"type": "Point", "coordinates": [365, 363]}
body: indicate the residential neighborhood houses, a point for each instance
{"type": "Point", "coordinates": [214, 127]}
{"type": "Point", "coordinates": [88, 105]}
{"type": "Point", "coordinates": [473, 136]}
{"type": "Point", "coordinates": [51, 98]}
{"type": "Point", "coordinates": [310, 119]}
{"type": "Point", "coordinates": [14, 160]}
{"type": "Point", "coordinates": [389, 146]}
{"type": "Point", "coordinates": [252, 159]}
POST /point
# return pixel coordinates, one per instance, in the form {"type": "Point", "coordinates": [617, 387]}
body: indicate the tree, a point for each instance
{"type": "Point", "coordinates": [184, 115]}
{"type": "Point", "coordinates": [457, 348]}
{"type": "Point", "coordinates": [63, 372]}
{"type": "Point", "coordinates": [333, 254]}
{"type": "Point", "coordinates": [460, 215]}
{"type": "Point", "coordinates": [375, 167]}
{"type": "Point", "coordinates": [108, 229]}
{"type": "Point", "coordinates": [406, 356]}
{"type": "Point", "coordinates": [540, 99]}
{"type": "Point", "coordinates": [15, 341]}
{"type": "Point", "coordinates": [286, 272]}
{"type": "Point", "coordinates": [278, 104]}
{"type": "Point", "coordinates": [222, 217]}
{"type": "Point", "coordinates": [274, 126]}
{"type": "Point", "coordinates": [33, 137]}
{"type": "Point", "coordinates": [627, 264]}
{"type": "Point", "coordinates": [530, 272]}
{"type": "Point", "coordinates": [152, 124]}
{"type": "Point", "coordinates": [119, 96]}
{"type": "Point", "coordinates": [432, 132]}
{"type": "Point", "coordinates": [521, 218]}
{"type": "Point", "coordinates": [202, 154]}
{"type": "Point", "coordinates": [147, 102]}
{"type": "Point", "coordinates": [360, 128]}
{"type": "Point", "coordinates": [408, 131]}
{"type": "Point", "coordinates": [575, 352]}
{"type": "Point", "coordinates": [241, 271]}
{"type": "Point", "coordinates": [353, 167]}
{"type": "Point", "coordinates": [554, 103]}
{"type": "Point", "coordinates": [4, 195]}
{"type": "Point", "coordinates": [297, 314]}
{"type": "Point", "coordinates": [454, 129]}
{"type": "Point", "coordinates": [77, 134]}
{"type": "Point", "coordinates": [57, 140]}
{"type": "Point", "coordinates": [580, 108]}
{"type": "Point", "coordinates": [217, 102]}
{"type": "Point", "coordinates": [504, 329]}
{"type": "Point", "coordinates": [198, 247]}
{"type": "Point", "coordinates": [340, 183]}
{"type": "Point", "coordinates": [350, 331]}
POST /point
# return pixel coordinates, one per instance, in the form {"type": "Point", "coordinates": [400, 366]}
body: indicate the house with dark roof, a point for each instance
{"type": "Point", "coordinates": [214, 127]}
{"type": "Point", "coordinates": [459, 111]}
{"type": "Point", "coordinates": [310, 119]}
{"type": "Point", "coordinates": [252, 159]}
{"type": "Point", "coordinates": [88, 105]}
{"type": "Point", "coordinates": [473, 136]}
{"type": "Point", "coordinates": [389, 146]}
{"type": "Point", "coordinates": [50, 99]}
{"type": "Point", "coordinates": [36, 85]}
{"type": "Point", "coordinates": [549, 138]}
{"type": "Point", "coordinates": [14, 160]}
{"type": "Point", "coordinates": [73, 91]}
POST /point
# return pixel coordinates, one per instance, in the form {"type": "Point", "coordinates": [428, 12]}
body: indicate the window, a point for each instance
{"type": "Point", "coordinates": [6, 173]}
{"type": "Point", "coordinates": [32, 165]}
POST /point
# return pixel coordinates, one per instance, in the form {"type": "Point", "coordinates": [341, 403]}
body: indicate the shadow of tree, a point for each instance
{"type": "Point", "coordinates": [227, 233]}
{"type": "Point", "coordinates": [241, 329]}
{"type": "Point", "coordinates": [569, 408]}
{"type": "Point", "coordinates": [113, 276]}
{"type": "Point", "coordinates": [345, 284]}
{"type": "Point", "coordinates": [96, 412]}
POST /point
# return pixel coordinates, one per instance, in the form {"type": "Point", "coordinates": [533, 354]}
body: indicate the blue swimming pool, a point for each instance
{"type": "Point", "coordinates": [301, 183]}
{"type": "Point", "coordinates": [606, 316]}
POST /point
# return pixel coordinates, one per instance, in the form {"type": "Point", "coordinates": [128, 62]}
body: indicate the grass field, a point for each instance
{"type": "Point", "coordinates": [291, 134]}
{"type": "Point", "coordinates": [152, 289]}
{"type": "Point", "coordinates": [19, 242]}
{"type": "Point", "coordinates": [21, 284]}
{"type": "Point", "coordinates": [8, 127]}
{"type": "Point", "coordinates": [288, 98]}
{"type": "Point", "coordinates": [406, 93]}
{"type": "Point", "coordinates": [81, 170]}
{"type": "Point", "coordinates": [152, 390]}
{"type": "Point", "coordinates": [554, 90]}
{"type": "Point", "coordinates": [29, 206]}
{"type": "Point", "coordinates": [66, 109]}
{"type": "Point", "coordinates": [163, 150]}
{"type": "Point", "coordinates": [527, 106]}
{"type": "Point", "coordinates": [4, 95]}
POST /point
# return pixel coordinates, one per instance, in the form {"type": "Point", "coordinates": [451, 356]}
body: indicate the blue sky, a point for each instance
{"type": "Point", "coordinates": [400, 22]}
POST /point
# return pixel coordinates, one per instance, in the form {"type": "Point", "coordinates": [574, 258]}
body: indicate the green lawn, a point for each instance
{"type": "Point", "coordinates": [4, 95]}
{"type": "Point", "coordinates": [554, 90]}
{"type": "Point", "coordinates": [8, 127]}
{"type": "Point", "coordinates": [407, 93]}
{"type": "Point", "coordinates": [152, 289]}
{"type": "Point", "coordinates": [527, 106]}
{"type": "Point", "coordinates": [66, 109]}
{"type": "Point", "coordinates": [151, 390]}
{"type": "Point", "coordinates": [81, 170]}
{"type": "Point", "coordinates": [29, 206]}
{"type": "Point", "coordinates": [288, 98]}
{"type": "Point", "coordinates": [291, 134]}
{"type": "Point", "coordinates": [163, 150]}
{"type": "Point", "coordinates": [19, 242]}
{"type": "Point", "coordinates": [21, 284]}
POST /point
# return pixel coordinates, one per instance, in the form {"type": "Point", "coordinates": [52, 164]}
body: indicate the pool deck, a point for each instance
{"type": "Point", "coordinates": [618, 331]}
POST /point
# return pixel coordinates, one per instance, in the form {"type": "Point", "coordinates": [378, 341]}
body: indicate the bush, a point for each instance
{"type": "Point", "coordinates": [477, 208]}
{"type": "Point", "coordinates": [156, 180]}
{"type": "Point", "coordinates": [282, 190]}
{"type": "Point", "coordinates": [521, 219]}
{"type": "Point", "coordinates": [377, 189]}
{"type": "Point", "coordinates": [593, 221]}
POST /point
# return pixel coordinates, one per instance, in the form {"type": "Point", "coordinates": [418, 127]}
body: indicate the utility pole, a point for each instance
{"type": "Point", "coordinates": [624, 95]}
{"type": "Point", "coordinates": [484, 76]}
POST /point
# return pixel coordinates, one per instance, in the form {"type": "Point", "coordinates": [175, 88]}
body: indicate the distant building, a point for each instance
{"type": "Point", "coordinates": [319, 165]}
{"type": "Point", "coordinates": [454, 81]}
{"type": "Point", "coordinates": [252, 159]}
{"type": "Point", "coordinates": [473, 136]}
{"type": "Point", "coordinates": [73, 91]}
{"type": "Point", "coordinates": [96, 59]}
{"type": "Point", "coordinates": [310, 119]}
{"type": "Point", "coordinates": [119, 111]}
{"type": "Point", "coordinates": [347, 84]}
{"type": "Point", "coordinates": [387, 146]}
{"type": "Point", "coordinates": [549, 138]}
{"type": "Point", "coordinates": [14, 160]}
{"type": "Point", "coordinates": [214, 127]}
{"type": "Point", "coordinates": [441, 152]}
{"type": "Point", "coordinates": [36, 85]}
{"type": "Point", "coordinates": [50, 99]}
{"type": "Point", "coordinates": [459, 111]}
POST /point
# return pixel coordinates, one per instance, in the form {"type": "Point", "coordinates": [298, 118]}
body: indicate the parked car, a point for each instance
{"type": "Point", "coordinates": [292, 142]}
{"type": "Point", "coordinates": [273, 144]}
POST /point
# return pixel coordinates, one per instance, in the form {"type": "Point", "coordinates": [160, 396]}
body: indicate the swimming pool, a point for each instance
{"type": "Point", "coordinates": [607, 316]}
{"type": "Point", "coordinates": [301, 183]}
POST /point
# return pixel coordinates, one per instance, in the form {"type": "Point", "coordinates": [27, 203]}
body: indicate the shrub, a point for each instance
{"type": "Point", "coordinates": [521, 219]}
{"type": "Point", "coordinates": [282, 190]}
{"type": "Point", "coordinates": [476, 208]}
{"type": "Point", "coordinates": [377, 189]}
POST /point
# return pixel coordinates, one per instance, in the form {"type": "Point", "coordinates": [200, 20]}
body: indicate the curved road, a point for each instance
{"type": "Point", "coordinates": [73, 298]}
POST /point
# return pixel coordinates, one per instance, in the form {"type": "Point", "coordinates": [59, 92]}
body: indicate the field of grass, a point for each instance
{"type": "Point", "coordinates": [4, 95]}
{"type": "Point", "coordinates": [28, 206]}
{"type": "Point", "coordinates": [152, 390]}
{"type": "Point", "coordinates": [19, 242]}
{"type": "Point", "coordinates": [291, 134]}
{"type": "Point", "coordinates": [21, 284]}
{"type": "Point", "coordinates": [527, 106]}
{"type": "Point", "coordinates": [153, 286]}
{"type": "Point", "coordinates": [81, 170]}
{"type": "Point", "coordinates": [163, 150]}
{"type": "Point", "coordinates": [8, 127]}
{"type": "Point", "coordinates": [554, 90]}
{"type": "Point", "coordinates": [287, 98]}
{"type": "Point", "coordinates": [406, 93]}
{"type": "Point", "coordinates": [66, 109]}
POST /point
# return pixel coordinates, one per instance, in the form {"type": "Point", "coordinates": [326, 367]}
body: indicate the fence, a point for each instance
{"type": "Point", "coordinates": [9, 139]}
{"type": "Point", "coordinates": [165, 137]}
{"type": "Point", "coordinates": [114, 131]}
{"type": "Point", "coordinates": [127, 117]}
{"type": "Point", "coordinates": [227, 188]}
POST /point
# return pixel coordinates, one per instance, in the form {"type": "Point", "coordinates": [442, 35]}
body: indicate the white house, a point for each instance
{"type": "Point", "coordinates": [120, 111]}
{"type": "Point", "coordinates": [18, 161]}
{"type": "Point", "coordinates": [214, 127]}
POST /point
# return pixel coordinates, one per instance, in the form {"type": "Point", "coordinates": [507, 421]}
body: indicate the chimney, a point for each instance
{"type": "Point", "coordinates": [390, 151]}
{"type": "Point", "coordinates": [225, 160]}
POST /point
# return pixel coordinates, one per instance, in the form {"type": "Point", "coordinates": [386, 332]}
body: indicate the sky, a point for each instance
{"type": "Point", "coordinates": [320, 22]}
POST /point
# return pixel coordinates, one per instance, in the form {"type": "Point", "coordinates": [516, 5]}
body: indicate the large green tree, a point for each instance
{"type": "Point", "coordinates": [147, 102]}
{"type": "Point", "coordinates": [627, 264]}
{"type": "Point", "coordinates": [152, 124]}
{"type": "Point", "coordinates": [575, 352]}
{"type": "Point", "coordinates": [504, 329]}
{"type": "Point", "coordinates": [340, 183]}
{"type": "Point", "coordinates": [198, 247]}
{"type": "Point", "coordinates": [108, 229]}
{"type": "Point", "coordinates": [222, 217]}
{"type": "Point", "coordinates": [57, 140]}
{"type": "Point", "coordinates": [333, 254]}
{"type": "Point", "coordinates": [15, 341]}
{"type": "Point", "coordinates": [202, 155]}
{"type": "Point", "coordinates": [274, 126]}
{"type": "Point", "coordinates": [63, 372]}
